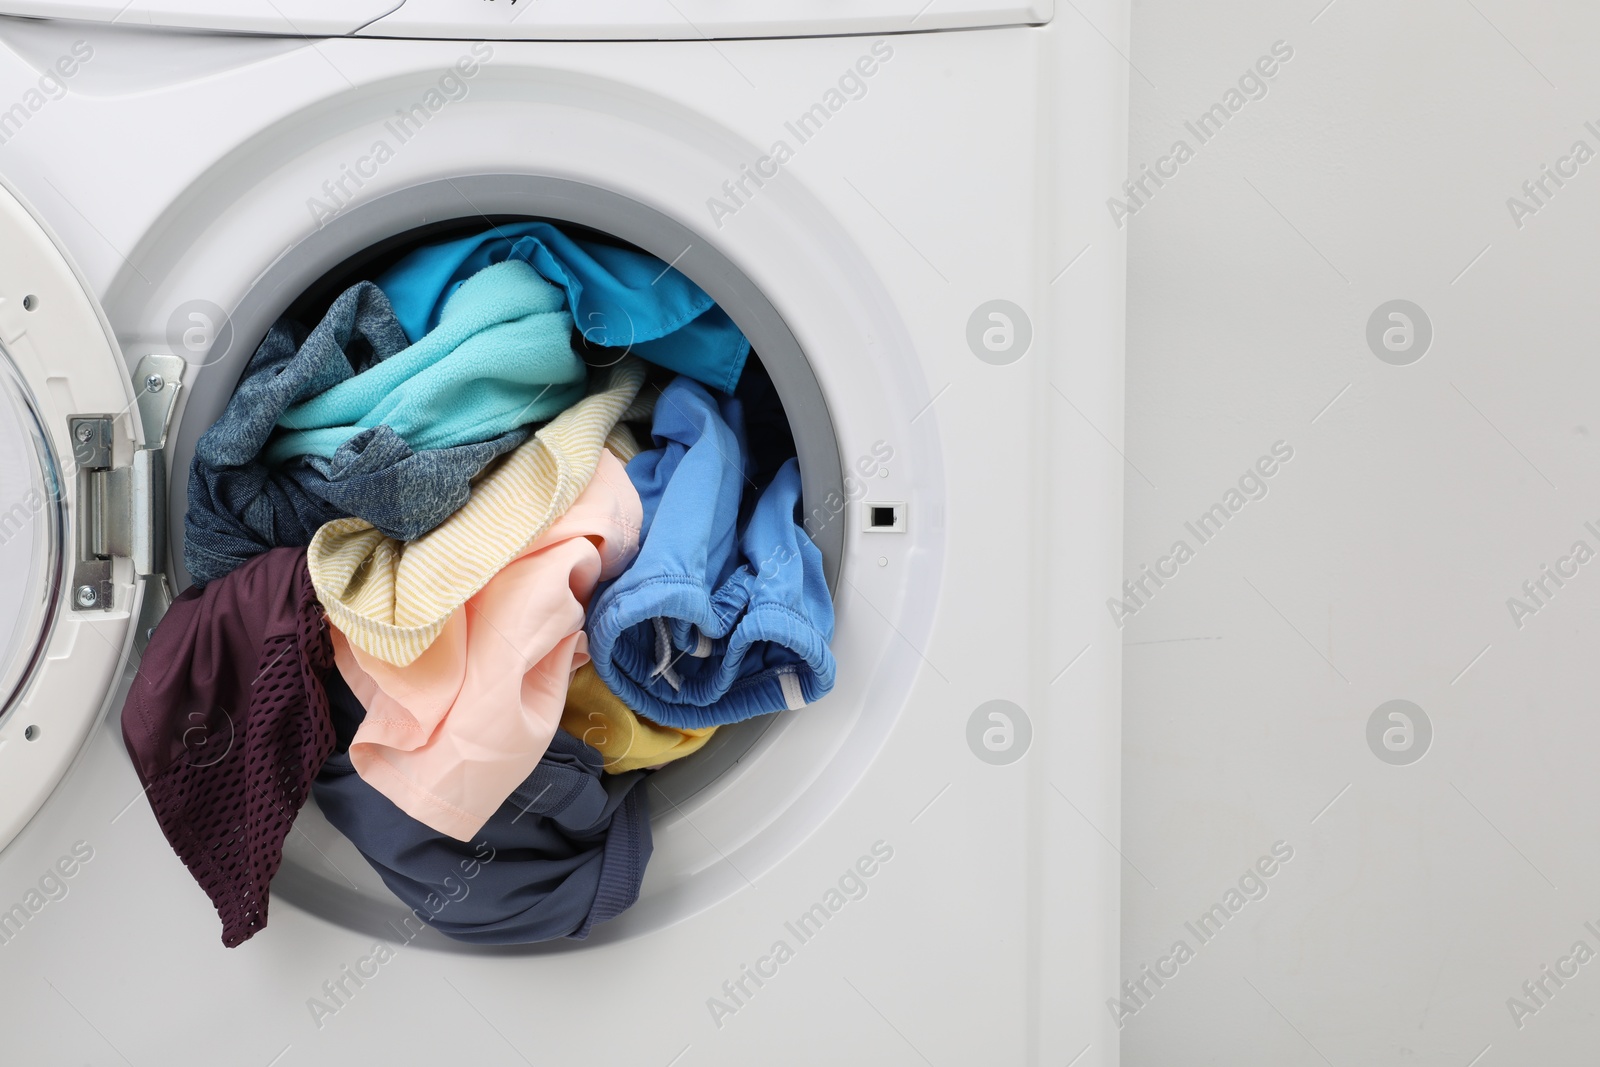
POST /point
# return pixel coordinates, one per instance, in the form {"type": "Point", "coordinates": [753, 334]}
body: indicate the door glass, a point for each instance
{"type": "Point", "coordinates": [32, 535]}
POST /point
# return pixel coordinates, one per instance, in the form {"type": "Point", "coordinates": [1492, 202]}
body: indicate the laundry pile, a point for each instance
{"type": "Point", "coordinates": [441, 585]}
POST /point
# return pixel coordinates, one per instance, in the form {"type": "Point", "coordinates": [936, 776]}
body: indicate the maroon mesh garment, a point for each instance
{"type": "Point", "coordinates": [227, 723]}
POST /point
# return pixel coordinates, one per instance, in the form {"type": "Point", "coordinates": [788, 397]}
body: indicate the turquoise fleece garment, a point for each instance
{"type": "Point", "coordinates": [501, 357]}
{"type": "Point", "coordinates": [620, 298]}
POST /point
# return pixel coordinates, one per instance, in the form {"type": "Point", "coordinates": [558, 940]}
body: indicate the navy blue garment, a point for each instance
{"type": "Point", "coordinates": [239, 506]}
{"type": "Point", "coordinates": [719, 618]}
{"type": "Point", "coordinates": [767, 432]}
{"type": "Point", "coordinates": [566, 851]}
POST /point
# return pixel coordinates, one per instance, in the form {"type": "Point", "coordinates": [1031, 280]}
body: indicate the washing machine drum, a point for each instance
{"type": "Point", "coordinates": [84, 511]}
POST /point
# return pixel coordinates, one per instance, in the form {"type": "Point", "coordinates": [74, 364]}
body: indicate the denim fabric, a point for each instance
{"type": "Point", "coordinates": [709, 627]}
{"type": "Point", "coordinates": [567, 851]}
{"type": "Point", "coordinates": [240, 506]}
{"type": "Point", "coordinates": [620, 298]}
{"type": "Point", "coordinates": [500, 357]}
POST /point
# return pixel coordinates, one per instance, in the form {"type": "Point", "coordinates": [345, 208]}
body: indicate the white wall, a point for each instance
{"type": "Point", "coordinates": [1378, 567]}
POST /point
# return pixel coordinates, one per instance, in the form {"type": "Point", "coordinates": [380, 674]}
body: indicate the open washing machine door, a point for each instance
{"type": "Point", "coordinates": [82, 515]}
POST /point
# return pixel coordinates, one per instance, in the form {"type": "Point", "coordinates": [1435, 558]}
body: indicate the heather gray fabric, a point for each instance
{"type": "Point", "coordinates": [240, 506]}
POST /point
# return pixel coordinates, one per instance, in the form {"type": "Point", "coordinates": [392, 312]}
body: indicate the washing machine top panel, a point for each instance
{"type": "Point", "coordinates": [694, 19]}
{"type": "Point", "coordinates": [68, 446]}
{"type": "Point", "coordinates": [547, 19]}
{"type": "Point", "coordinates": [309, 18]}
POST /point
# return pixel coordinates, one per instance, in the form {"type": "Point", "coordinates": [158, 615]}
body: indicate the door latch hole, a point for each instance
{"type": "Point", "coordinates": [886, 517]}
{"type": "Point", "coordinates": [30, 302]}
{"type": "Point", "coordinates": [31, 733]}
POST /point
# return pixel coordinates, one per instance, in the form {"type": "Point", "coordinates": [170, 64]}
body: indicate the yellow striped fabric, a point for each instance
{"type": "Point", "coordinates": [392, 598]}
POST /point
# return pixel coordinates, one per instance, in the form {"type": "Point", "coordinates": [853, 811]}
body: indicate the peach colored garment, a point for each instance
{"type": "Point", "coordinates": [391, 599]}
{"type": "Point", "coordinates": [448, 737]}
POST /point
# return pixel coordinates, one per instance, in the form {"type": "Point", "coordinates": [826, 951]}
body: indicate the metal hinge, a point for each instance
{"type": "Point", "coordinates": [122, 511]}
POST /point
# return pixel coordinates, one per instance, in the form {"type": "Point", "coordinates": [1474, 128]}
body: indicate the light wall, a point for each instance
{"type": "Point", "coordinates": [1379, 564]}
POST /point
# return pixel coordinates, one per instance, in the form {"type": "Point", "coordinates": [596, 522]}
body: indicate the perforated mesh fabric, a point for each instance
{"type": "Point", "coordinates": [225, 787]}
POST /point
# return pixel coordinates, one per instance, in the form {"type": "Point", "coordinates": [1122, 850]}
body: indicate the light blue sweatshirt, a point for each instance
{"type": "Point", "coordinates": [500, 357]}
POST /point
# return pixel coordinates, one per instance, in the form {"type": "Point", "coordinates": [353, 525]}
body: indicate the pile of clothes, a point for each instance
{"type": "Point", "coordinates": [442, 586]}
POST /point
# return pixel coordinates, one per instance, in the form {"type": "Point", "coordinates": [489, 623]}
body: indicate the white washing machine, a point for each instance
{"type": "Point", "coordinates": [901, 204]}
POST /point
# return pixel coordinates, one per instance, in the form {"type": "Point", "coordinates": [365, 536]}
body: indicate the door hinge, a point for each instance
{"type": "Point", "coordinates": [122, 510]}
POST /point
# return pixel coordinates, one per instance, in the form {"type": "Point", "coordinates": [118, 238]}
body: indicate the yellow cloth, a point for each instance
{"type": "Point", "coordinates": [391, 599]}
{"type": "Point", "coordinates": [595, 716]}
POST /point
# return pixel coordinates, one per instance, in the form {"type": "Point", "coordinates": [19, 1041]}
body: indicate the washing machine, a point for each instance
{"type": "Point", "coordinates": [901, 203]}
